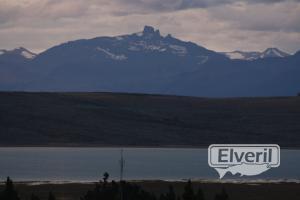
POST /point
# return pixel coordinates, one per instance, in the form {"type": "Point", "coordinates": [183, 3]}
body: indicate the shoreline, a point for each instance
{"type": "Point", "coordinates": [208, 181]}
{"type": "Point", "coordinates": [121, 147]}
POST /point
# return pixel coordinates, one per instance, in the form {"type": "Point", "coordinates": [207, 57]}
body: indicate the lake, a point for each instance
{"type": "Point", "coordinates": [88, 164]}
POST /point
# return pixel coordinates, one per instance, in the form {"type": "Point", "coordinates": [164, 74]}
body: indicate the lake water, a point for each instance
{"type": "Point", "coordinates": [88, 164]}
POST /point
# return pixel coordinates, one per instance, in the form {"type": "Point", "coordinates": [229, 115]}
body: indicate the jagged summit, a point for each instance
{"type": "Point", "coordinates": [150, 32]}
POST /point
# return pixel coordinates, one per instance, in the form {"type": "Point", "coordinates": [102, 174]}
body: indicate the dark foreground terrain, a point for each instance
{"type": "Point", "coordinates": [111, 119]}
{"type": "Point", "coordinates": [260, 191]}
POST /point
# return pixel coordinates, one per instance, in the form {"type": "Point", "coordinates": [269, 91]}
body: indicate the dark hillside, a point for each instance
{"type": "Point", "coordinates": [105, 119]}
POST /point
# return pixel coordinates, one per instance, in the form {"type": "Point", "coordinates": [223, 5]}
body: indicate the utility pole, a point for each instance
{"type": "Point", "coordinates": [122, 165]}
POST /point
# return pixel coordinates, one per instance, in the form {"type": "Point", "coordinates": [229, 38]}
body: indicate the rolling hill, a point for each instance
{"type": "Point", "coordinates": [120, 119]}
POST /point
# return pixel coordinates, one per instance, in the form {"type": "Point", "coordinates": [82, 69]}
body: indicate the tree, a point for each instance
{"type": "Point", "coordinates": [188, 193]}
{"type": "Point", "coordinates": [51, 196]}
{"type": "Point", "coordinates": [162, 197]}
{"type": "Point", "coordinates": [222, 196]}
{"type": "Point", "coordinates": [9, 192]}
{"type": "Point", "coordinates": [199, 194]}
{"type": "Point", "coordinates": [34, 197]}
{"type": "Point", "coordinates": [111, 191]}
{"type": "Point", "coordinates": [171, 194]}
{"type": "Point", "coordinates": [105, 177]}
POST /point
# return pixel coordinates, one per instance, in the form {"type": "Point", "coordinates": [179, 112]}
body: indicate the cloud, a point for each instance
{"type": "Point", "coordinates": [64, 9]}
{"type": "Point", "coordinates": [220, 25]}
{"type": "Point", "coordinates": [279, 17]}
{"type": "Point", "coordinates": [12, 11]}
{"type": "Point", "coordinates": [175, 5]}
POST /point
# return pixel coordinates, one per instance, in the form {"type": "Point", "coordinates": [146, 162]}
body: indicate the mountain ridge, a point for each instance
{"type": "Point", "coordinates": [147, 62]}
{"type": "Point", "coordinates": [20, 51]}
{"type": "Point", "coordinates": [271, 52]}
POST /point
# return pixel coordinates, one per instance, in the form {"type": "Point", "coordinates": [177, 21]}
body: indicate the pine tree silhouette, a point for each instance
{"type": "Point", "coordinates": [111, 191]}
{"type": "Point", "coordinates": [105, 177]}
{"type": "Point", "coordinates": [34, 197]}
{"type": "Point", "coordinates": [171, 194]}
{"type": "Point", "coordinates": [162, 197]}
{"type": "Point", "coordinates": [51, 196]}
{"type": "Point", "coordinates": [9, 192]}
{"type": "Point", "coordinates": [222, 196]}
{"type": "Point", "coordinates": [199, 194]}
{"type": "Point", "coordinates": [188, 193]}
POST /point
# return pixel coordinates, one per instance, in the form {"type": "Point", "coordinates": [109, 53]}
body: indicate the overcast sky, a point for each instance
{"type": "Point", "coordinates": [220, 25]}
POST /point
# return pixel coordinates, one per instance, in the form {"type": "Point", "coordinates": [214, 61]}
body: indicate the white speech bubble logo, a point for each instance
{"type": "Point", "coordinates": [243, 159]}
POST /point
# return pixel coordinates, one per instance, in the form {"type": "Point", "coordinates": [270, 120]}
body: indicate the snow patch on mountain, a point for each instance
{"type": "Point", "coordinates": [142, 45]}
{"type": "Point", "coordinates": [119, 38]}
{"type": "Point", "coordinates": [235, 55]}
{"type": "Point", "coordinates": [133, 48]}
{"type": "Point", "coordinates": [155, 48]}
{"type": "Point", "coordinates": [27, 55]}
{"type": "Point", "coordinates": [112, 55]}
{"type": "Point", "coordinates": [203, 59]}
{"type": "Point", "coordinates": [179, 50]}
{"type": "Point", "coordinates": [140, 34]}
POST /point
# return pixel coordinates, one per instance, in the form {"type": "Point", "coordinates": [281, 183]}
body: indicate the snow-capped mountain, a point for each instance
{"type": "Point", "coordinates": [241, 55]}
{"type": "Point", "coordinates": [128, 47]}
{"type": "Point", "coordinates": [13, 68]}
{"type": "Point", "coordinates": [273, 53]}
{"type": "Point", "coordinates": [148, 62]}
{"type": "Point", "coordinates": [254, 55]}
{"type": "Point", "coordinates": [18, 52]}
{"type": "Point", "coordinates": [139, 57]}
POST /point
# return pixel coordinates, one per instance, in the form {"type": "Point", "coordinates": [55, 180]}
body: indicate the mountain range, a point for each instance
{"type": "Point", "coordinates": [253, 55]}
{"type": "Point", "coordinates": [147, 62]}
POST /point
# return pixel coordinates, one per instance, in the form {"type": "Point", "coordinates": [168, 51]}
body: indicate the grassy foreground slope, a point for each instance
{"type": "Point", "coordinates": [105, 119]}
{"type": "Point", "coordinates": [244, 191]}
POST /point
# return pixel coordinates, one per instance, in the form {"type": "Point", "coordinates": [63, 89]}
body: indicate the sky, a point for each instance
{"type": "Point", "coordinates": [220, 25]}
